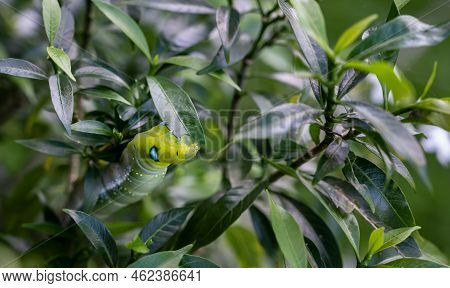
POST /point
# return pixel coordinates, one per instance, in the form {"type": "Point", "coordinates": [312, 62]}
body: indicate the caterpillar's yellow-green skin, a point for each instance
{"type": "Point", "coordinates": [137, 173]}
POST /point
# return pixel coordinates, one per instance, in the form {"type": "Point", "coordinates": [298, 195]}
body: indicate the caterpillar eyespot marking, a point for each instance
{"type": "Point", "coordinates": [142, 166]}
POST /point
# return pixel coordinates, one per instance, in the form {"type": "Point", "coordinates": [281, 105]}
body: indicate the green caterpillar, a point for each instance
{"type": "Point", "coordinates": [142, 167]}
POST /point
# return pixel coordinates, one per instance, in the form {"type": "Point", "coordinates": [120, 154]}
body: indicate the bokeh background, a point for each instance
{"type": "Point", "coordinates": [24, 114]}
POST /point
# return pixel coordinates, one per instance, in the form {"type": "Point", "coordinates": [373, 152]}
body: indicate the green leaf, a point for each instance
{"type": "Point", "coordinates": [92, 185]}
{"type": "Point", "coordinates": [227, 20]}
{"type": "Point", "coordinates": [212, 219]}
{"type": "Point", "coordinates": [51, 12]}
{"type": "Point", "coordinates": [351, 34]}
{"type": "Point", "coordinates": [162, 227]}
{"type": "Point", "coordinates": [278, 121]}
{"type": "Point", "coordinates": [249, 255]}
{"type": "Point", "coordinates": [176, 109]}
{"type": "Point", "coordinates": [166, 259]}
{"type": "Point", "coordinates": [128, 26]}
{"type": "Point", "coordinates": [397, 236]}
{"type": "Point", "coordinates": [46, 228]}
{"type": "Point", "coordinates": [401, 88]}
{"type": "Point", "coordinates": [283, 168]}
{"type": "Point", "coordinates": [311, 18]}
{"type": "Point", "coordinates": [62, 60]}
{"type": "Point", "coordinates": [176, 6]}
{"type": "Point", "coordinates": [347, 222]}
{"type": "Point", "coordinates": [98, 235]}
{"type": "Point", "coordinates": [332, 159]}
{"type": "Point", "coordinates": [289, 235]}
{"type": "Point", "coordinates": [104, 93]}
{"type": "Point", "coordinates": [66, 31]}
{"type": "Point", "coordinates": [320, 241]}
{"type": "Point", "coordinates": [429, 82]}
{"type": "Point", "coordinates": [401, 3]}
{"type": "Point", "coordinates": [264, 231]}
{"type": "Point", "coordinates": [430, 251]}
{"type": "Point", "coordinates": [197, 64]}
{"type": "Point", "coordinates": [21, 68]}
{"type": "Point", "coordinates": [401, 32]}
{"type": "Point", "coordinates": [101, 73]}
{"type": "Point", "coordinates": [439, 105]}
{"type": "Point", "coordinates": [138, 245]}
{"type": "Point", "coordinates": [61, 91]}
{"type": "Point", "coordinates": [192, 261]}
{"type": "Point", "coordinates": [376, 241]}
{"type": "Point", "coordinates": [391, 207]}
{"type": "Point", "coordinates": [92, 127]}
{"type": "Point", "coordinates": [50, 147]}
{"type": "Point", "coordinates": [395, 134]}
{"type": "Point", "coordinates": [411, 263]}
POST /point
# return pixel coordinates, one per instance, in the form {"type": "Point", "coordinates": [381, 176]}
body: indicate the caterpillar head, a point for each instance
{"type": "Point", "coordinates": [159, 146]}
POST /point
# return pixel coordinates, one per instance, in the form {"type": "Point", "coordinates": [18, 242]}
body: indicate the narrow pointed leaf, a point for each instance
{"type": "Point", "coordinates": [176, 6]}
{"type": "Point", "coordinates": [62, 60]}
{"type": "Point", "coordinates": [125, 23]}
{"type": "Point", "coordinates": [376, 240]}
{"type": "Point", "coordinates": [397, 236]}
{"type": "Point", "coordinates": [98, 235]}
{"type": "Point", "coordinates": [289, 235]}
{"type": "Point", "coordinates": [264, 231]}
{"type": "Point", "coordinates": [51, 13]}
{"type": "Point", "coordinates": [278, 121]}
{"type": "Point", "coordinates": [104, 93]}
{"type": "Point", "coordinates": [176, 109]}
{"type": "Point", "coordinates": [50, 147]}
{"type": "Point", "coordinates": [162, 227]}
{"type": "Point", "coordinates": [166, 259]}
{"type": "Point", "coordinates": [21, 68]}
{"type": "Point", "coordinates": [411, 263]}
{"type": "Point", "coordinates": [351, 34]}
{"type": "Point", "coordinates": [62, 98]}
{"type": "Point", "coordinates": [227, 20]}
{"type": "Point", "coordinates": [401, 32]}
{"type": "Point", "coordinates": [192, 261]}
{"type": "Point", "coordinates": [100, 73]}
{"type": "Point", "coordinates": [394, 133]}
{"type": "Point", "coordinates": [92, 127]}
{"type": "Point", "coordinates": [332, 159]}
{"type": "Point", "coordinates": [401, 88]}
{"type": "Point", "coordinates": [66, 31]}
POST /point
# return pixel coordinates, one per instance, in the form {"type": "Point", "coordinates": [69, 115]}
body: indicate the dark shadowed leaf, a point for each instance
{"type": "Point", "coordinates": [100, 73]}
{"type": "Point", "coordinates": [98, 235]}
{"type": "Point", "coordinates": [215, 218]}
{"type": "Point", "coordinates": [64, 37]}
{"type": "Point", "coordinates": [177, 6]}
{"type": "Point", "coordinates": [197, 64]}
{"type": "Point", "coordinates": [350, 79]}
{"type": "Point", "coordinates": [175, 108]}
{"type": "Point", "coordinates": [50, 147]}
{"type": "Point", "coordinates": [51, 12]}
{"type": "Point", "coordinates": [104, 93]}
{"type": "Point", "coordinates": [92, 185]}
{"type": "Point", "coordinates": [162, 227]}
{"type": "Point", "coordinates": [278, 121]}
{"type": "Point", "coordinates": [21, 68]}
{"type": "Point", "coordinates": [401, 32]}
{"type": "Point", "coordinates": [166, 259]}
{"type": "Point", "coordinates": [227, 20]}
{"type": "Point", "coordinates": [192, 261]}
{"type": "Point", "coordinates": [316, 233]}
{"type": "Point", "coordinates": [395, 134]}
{"type": "Point", "coordinates": [289, 235]}
{"type": "Point", "coordinates": [411, 263]}
{"type": "Point", "coordinates": [62, 98]}
{"type": "Point", "coordinates": [128, 26]}
{"type": "Point", "coordinates": [347, 222]}
{"type": "Point", "coordinates": [332, 159]}
{"type": "Point", "coordinates": [264, 231]}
